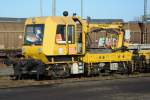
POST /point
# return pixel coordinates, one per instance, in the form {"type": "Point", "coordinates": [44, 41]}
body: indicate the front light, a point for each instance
{"type": "Point", "coordinates": [39, 50]}
{"type": "Point", "coordinates": [23, 50]}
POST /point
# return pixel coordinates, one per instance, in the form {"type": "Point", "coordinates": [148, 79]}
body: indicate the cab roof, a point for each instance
{"type": "Point", "coordinates": [55, 19]}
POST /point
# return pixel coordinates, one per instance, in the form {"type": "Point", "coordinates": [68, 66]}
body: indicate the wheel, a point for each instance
{"type": "Point", "coordinates": [124, 68]}
{"type": "Point", "coordinates": [17, 71]}
{"type": "Point", "coordinates": [143, 63]}
{"type": "Point", "coordinates": [40, 70]}
{"type": "Point", "coordinates": [60, 71]}
{"type": "Point", "coordinates": [87, 70]}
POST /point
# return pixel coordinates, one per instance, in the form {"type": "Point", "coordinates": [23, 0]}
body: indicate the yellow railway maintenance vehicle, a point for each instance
{"type": "Point", "coordinates": [60, 46]}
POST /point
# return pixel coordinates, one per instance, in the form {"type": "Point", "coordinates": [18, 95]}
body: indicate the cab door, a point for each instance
{"type": "Point", "coordinates": [78, 35]}
{"type": "Point", "coordinates": [68, 39]}
{"type": "Point", "coordinates": [71, 43]}
{"type": "Point", "coordinates": [65, 40]}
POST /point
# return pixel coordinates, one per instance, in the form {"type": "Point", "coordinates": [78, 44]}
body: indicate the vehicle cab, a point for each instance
{"type": "Point", "coordinates": [48, 37]}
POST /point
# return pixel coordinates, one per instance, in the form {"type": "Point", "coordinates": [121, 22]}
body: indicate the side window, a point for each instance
{"type": "Point", "coordinates": [60, 34]}
{"type": "Point", "coordinates": [71, 34]}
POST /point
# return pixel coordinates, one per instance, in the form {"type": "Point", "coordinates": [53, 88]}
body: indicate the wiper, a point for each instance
{"type": "Point", "coordinates": [37, 43]}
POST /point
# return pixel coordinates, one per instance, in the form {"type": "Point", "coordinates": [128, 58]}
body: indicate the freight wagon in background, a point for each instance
{"type": "Point", "coordinates": [135, 28]}
{"type": "Point", "coordinates": [11, 37]}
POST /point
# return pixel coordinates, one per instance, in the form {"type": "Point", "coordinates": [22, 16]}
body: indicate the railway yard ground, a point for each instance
{"type": "Point", "coordinates": [7, 82]}
{"type": "Point", "coordinates": [104, 87]}
{"type": "Point", "coordinates": [117, 89]}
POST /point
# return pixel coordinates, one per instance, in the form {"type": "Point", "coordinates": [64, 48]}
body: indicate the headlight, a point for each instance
{"type": "Point", "coordinates": [23, 50]}
{"type": "Point", "coordinates": [39, 50]}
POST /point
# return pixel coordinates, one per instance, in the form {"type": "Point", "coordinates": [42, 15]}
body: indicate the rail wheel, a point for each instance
{"type": "Point", "coordinates": [125, 68]}
{"type": "Point", "coordinates": [92, 69]}
{"type": "Point", "coordinates": [88, 70]}
{"type": "Point", "coordinates": [144, 67]}
{"type": "Point", "coordinates": [40, 68]}
{"type": "Point", "coordinates": [60, 71]}
{"type": "Point", "coordinates": [18, 71]}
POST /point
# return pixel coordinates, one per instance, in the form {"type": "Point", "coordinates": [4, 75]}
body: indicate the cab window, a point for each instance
{"type": "Point", "coordinates": [71, 34]}
{"type": "Point", "coordinates": [60, 34]}
{"type": "Point", "coordinates": [34, 34]}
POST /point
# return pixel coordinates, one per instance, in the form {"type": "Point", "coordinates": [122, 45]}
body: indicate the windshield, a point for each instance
{"type": "Point", "coordinates": [103, 38]}
{"type": "Point", "coordinates": [34, 34]}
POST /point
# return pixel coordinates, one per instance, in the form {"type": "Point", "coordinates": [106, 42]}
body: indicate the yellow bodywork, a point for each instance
{"type": "Point", "coordinates": [106, 26]}
{"type": "Point", "coordinates": [107, 57]}
{"type": "Point", "coordinates": [34, 52]}
{"type": "Point", "coordinates": [49, 46]}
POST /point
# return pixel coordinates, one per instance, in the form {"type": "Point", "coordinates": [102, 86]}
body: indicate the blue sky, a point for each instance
{"type": "Point", "coordinates": [125, 9]}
